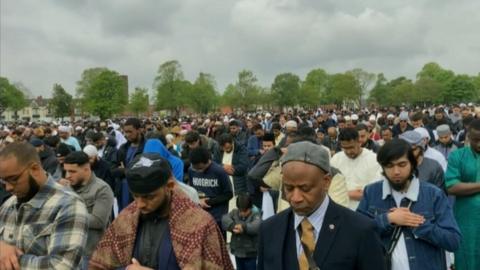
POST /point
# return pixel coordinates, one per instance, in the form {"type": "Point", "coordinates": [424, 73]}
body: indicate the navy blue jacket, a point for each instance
{"type": "Point", "coordinates": [347, 241]}
{"type": "Point", "coordinates": [240, 163]}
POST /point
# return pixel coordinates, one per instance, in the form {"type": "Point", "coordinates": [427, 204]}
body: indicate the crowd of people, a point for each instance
{"type": "Point", "coordinates": [394, 188]}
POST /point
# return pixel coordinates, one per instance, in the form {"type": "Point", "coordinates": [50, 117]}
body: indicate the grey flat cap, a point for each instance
{"type": "Point", "coordinates": [307, 152]}
{"type": "Point", "coordinates": [413, 138]}
{"type": "Point", "coordinates": [443, 130]}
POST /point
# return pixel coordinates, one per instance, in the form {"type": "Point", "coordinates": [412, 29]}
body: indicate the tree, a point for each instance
{"type": "Point", "coordinates": [203, 97]}
{"type": "Point", "coordinates": [10, 97]}
{"type": "Point", "coordinates": [428, 91]}
{"type": "Point", "coordinates": [61, 103]}
{"type": "Point", "coordinates": [313, 88]}
{"type": "Point", "coordinates": [171, 89]}
{"type": "Point", "coordinates": [285, 90]}
{"type": "Point", "coordinates": [365, 79]}
{"type": "Point", "coordinates": [139, 101]}
{"type": "Point", "coordinates": [244, 94]}
{"type": "Point", "coordinates": [343, 88]}
{"type": "Point", "coordinates": [381, 92]}
{"type": "Point", "coordinates": [460, 89]}
{"type": "Point", "coordinates": [102, 92]}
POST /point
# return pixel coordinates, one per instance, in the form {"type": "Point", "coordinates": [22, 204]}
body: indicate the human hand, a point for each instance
{"type": "Point", "coordinates": [238, 229]}
{"type": "Point", "coordinates": [403, 217]}
{"type": "Point", "coordinates": [64, 182]}
{"type": "Point", "coordinates": [136, 266]}
{"type": "Point", "coordinates": [9, 257]}
{"type": "Point", "coordinates": [204, 204]}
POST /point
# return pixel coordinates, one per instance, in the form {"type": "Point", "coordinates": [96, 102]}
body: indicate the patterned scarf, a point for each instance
{"type": "Point", "coordinates": [197, 241]}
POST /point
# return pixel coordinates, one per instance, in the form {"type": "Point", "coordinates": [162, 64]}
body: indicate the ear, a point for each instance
{"type": "Point", "coordinates": [171, 183]}
{"type": "Point", "coordinates": [327, 180]}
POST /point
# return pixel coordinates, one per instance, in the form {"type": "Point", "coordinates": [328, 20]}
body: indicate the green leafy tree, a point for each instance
{"type": "Point", "coordinates": [10, 97]}
{"type": "Point", "coordinates": [403, 92]}
{"type": "Point", "coordinates": [476, 83]}
{"type": "Point", "coordinates": [244, 94]}
{"type": "Point", "coordinates": [102, 92]}
{"type": "Point", "coordinates": [343, 88]}
{"type": "Point", "coordinates": [139, 101]}
{"type": "Point", "coordinates": [171, 88]}
{"type": "Point", "coordinates": [381, 92]}
{"type": "Point", "coordinates": [428, 91]}
{"type": "Point", "coordinates": [460, 89]}
{"type": "Point", "coordinates": [285, 90]}
{"type": "Point", "coordinates": [313, 88]}
{"type": "Point", "coordinates": [62, 102]}
{"type": "Point", "coordinates": [204, 97]}
{"type": "Point", "coordinates": [365, 80]}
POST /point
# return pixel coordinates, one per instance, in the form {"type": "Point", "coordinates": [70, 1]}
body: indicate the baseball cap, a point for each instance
{"type": "Point", "coordinates": [307, 152]}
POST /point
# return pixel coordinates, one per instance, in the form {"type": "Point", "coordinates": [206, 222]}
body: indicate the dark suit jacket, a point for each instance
{"type": "Point", "coordinates": [347, 241]}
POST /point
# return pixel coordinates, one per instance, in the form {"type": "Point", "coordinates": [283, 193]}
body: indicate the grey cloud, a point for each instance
{"type": "Point", "coordinates": [44, 42]}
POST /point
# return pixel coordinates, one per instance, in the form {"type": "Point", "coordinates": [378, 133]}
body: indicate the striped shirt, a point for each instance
{"type": "Point", "coordinates": [51, 229]}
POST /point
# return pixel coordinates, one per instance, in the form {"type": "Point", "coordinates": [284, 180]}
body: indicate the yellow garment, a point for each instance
{"type": "Point", "coordinates": [308, 241]}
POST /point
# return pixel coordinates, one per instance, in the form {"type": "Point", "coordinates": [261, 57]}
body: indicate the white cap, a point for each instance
{"type": "Point", "coordinates": [78, 128]}
{"type": "Point", "coordinates": [347, 118]}
{"type": "Point", "coordinates": [354, 117]}
{"type": "Point", "coordinates": [291, 124]}
{"type": "Point", "coordinates": [390, 116]}
{"type": "Point", "coordinates": [371, 118]}
{"type": "Point", "coordinates": [90, 150]}
{"type": "Point", "coordinates": [268, 115]}
{"type": "Point", "coordinates": [63, 129]}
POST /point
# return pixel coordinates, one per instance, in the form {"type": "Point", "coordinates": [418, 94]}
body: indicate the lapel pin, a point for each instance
{"type": "Point", "coordinates": [331, 226]}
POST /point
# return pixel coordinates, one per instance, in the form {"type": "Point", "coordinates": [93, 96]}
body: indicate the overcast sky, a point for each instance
{"type": "Point", "coordinates": [46, 42]}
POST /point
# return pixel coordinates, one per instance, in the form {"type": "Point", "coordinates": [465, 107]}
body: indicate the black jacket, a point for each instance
{"type": "Point", "coordinates": [240, 163]}
{"type": "Point", "coordinates": [102, 170]}
{"type": "Point", "coordinates": [122, 156]}
{"type": "Point", "coordinates": [347, 241]}
{"type": "Point", "coordinates": [49, 160]}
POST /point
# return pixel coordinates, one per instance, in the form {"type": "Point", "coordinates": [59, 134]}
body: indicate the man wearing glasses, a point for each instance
{"type": "Point", "coordinates": [42, 226]}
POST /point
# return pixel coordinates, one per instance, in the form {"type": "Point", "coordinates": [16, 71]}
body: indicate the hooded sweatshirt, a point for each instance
{"type": "Point", "coordinates": [156, 146]}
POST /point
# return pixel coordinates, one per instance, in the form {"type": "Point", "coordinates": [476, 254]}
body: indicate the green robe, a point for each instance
{"type": "Point", "coordinates": [464, 167]}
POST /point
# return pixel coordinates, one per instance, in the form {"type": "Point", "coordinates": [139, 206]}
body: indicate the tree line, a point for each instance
{"type": "Point", "coordinates": [102, 92]}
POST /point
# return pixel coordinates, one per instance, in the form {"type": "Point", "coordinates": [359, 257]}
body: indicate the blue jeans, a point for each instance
{"type": "Point", "coordinates": [246, 263]}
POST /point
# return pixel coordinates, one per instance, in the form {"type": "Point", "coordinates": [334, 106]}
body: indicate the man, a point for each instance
{"type": "Point", "coordinates": [99, 167]}
{"type": "Point", "coordinates": [95, 193]}
{"type": "Point", "coordinates": [430, 152]}
{"type": "Point", "coordinates": [107, 148]}
{"type": "Point", "coordinates": [277, 131]}
{"type": "Point", "coordinates": [357, 164]}
{"type": "Point", "coordinates": [315, 227]}
{"type": "Point", "coordinates": [364, 138]}
{"type": "Point", "coordinates": [461, 180]}
{"type": "Point", "coordinates": [42, 226]}
{"type": "Point", "coordinates": [402, 125]}
{"type": "Point", "coordinates": [445, 144]}
{"type": "Point", "coordinates": [254, 144]}
{"type": "Point", "coordinates": [386, 134]}
{"type": "Point", "coordinates": [234, 159]}
{"type": "Point", "coordinates": [211, 182]}
{"type": "Point", "coordinates": [237, 133]}
{"type": "Point", "coordinates": [126, 153]}
{"type": "Point", "coordinates": [194, 139]}
{"type": "Point", "coordinates": [64, 133]}
{"type": "Point", "coordinates": [62, 151]}
{"type": "Point", "coordinates": [47, 156]}
{"type": "Point", "coordinates": [428, 169]}
{"type": "Point", "coordinates": [422, 211]}
{"type": "Point", "coordinates": [162, 228]}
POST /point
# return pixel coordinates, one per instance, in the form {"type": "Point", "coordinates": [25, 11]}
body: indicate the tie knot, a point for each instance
{"type": "Point", "coordinates": [306, 225]}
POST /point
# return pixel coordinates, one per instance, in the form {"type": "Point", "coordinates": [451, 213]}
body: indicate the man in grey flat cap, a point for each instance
{"type": "Point", "coordinates": [315, 232]}
{"type": "Point", "coordinates": [445, 143]}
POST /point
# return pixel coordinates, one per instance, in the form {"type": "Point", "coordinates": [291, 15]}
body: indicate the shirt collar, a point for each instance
{"type": "Point", "coordinates": [316, 218]}
{"type": "Point", "coordinates": [412, 192]}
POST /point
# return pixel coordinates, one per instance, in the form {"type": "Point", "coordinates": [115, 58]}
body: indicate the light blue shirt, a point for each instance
{"type": "Point", "coordinates": [316, 219]}
{"type": "Point", "coordinates": [73, 142]}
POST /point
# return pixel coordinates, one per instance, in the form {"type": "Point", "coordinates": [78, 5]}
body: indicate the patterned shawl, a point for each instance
{"type": "Point", "coordinates": [197, 241]}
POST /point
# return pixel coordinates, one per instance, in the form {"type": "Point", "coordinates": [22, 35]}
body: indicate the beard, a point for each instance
{"type": "Point", "coordinates": [32, 191]}
{"type": "Point", "coordinates": [400, 185]}
{"type": "Point", "coordinates": [162, 211]}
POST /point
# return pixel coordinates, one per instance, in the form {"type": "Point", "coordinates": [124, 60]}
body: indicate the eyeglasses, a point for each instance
{"type": "Point", "coordinates": [12, 180]}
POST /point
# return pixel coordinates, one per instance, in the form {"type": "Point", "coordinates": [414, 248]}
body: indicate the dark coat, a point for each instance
{"type": "Point", "coordinates": [240, 163]}
{"type": "Point", "coordinates": [49, 160]}
{"type": "Point", "coordinates": [347, 241]}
